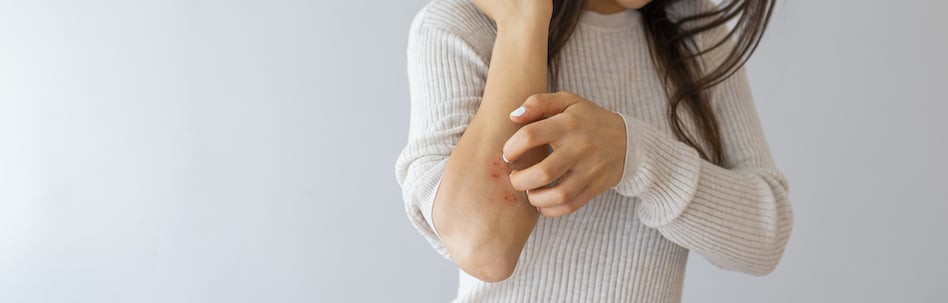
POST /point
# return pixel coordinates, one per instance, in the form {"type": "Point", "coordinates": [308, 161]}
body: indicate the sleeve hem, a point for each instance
{"type": "Point", "coordinates": [427, 206]}
{"type": "Point", "coordinates": [419, 200]}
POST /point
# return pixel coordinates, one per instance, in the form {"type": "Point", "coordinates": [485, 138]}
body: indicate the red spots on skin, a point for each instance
{"type": "Point", "coordinates": [506, 165]}
{"type": "Point", "coordinates": [511, 200]}
{"type": "Point", "coordinates": [499, 170]}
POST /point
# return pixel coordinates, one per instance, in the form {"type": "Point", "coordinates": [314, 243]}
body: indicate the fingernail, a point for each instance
{"type": "Point", "coordinates": [518, 112]}
{"type": "Point", "coordinates": [503, 156]}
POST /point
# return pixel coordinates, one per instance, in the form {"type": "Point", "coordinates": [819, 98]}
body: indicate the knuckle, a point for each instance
{"type": "Point", "coordinates": [528, 134]}
{"type": "Point", "coordinates": [586, 143]}
{"type": "Point", "coordinates": [583, 149]}
{"type": "Point", "coordinates": [545, 174]}
{"type": "Point", "coordinates": [570, 120]}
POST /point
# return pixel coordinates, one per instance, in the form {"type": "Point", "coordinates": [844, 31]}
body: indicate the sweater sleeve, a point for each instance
{"type": "Point", "coordinates": [737, 216]}
{"type": "Point", "coordinates": [446, 79]}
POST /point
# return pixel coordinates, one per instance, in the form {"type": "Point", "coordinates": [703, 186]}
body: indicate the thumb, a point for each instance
{"type": "Point", "coordinates": [540, 106]}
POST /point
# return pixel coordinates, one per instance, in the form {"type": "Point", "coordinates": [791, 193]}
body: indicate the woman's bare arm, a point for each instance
{"type": "Point", "coordinates": [482, 220]}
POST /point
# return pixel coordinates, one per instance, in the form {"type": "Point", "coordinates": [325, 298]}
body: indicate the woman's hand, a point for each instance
{"type": "Point", "coordinates": [588, 151]}
{"type": "Point", "coordinates": [503, 12]}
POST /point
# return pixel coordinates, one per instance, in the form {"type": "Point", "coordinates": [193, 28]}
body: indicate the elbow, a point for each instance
{"type": "Point", "coordinates": [758, 260]}
{"type": "Point", "coordinates": [764, 265]}
{"type": "Point", "coordinates": [767, 262]}
{"type": "Point", "coordinates": [482, 261]}
{"type": "Point", "coordinates": [777, 251]}
{"type": "Point", "coordinates": [489, 272]}
{"type": "Point", "coordinates": [775, 235]}
{"type": "Point", "coordinates": [770, 257]}
{"type": "Point", "coordinates": [477, 248]}
{"type": "Point", "coordinates": [763, 269]}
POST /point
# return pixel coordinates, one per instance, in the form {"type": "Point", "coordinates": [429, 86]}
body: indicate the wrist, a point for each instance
{"type": "Point", "coordinates": [525, 35]}
{"type": "Point", "coordinates": [526, 25]}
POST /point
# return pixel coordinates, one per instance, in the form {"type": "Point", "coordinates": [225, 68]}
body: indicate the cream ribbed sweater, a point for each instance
{"type": "Point", "coordinates": [631, 243]}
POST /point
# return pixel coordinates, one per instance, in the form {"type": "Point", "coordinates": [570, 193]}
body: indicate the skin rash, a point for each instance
{"type": "Point", "coordinates": [500, 173]}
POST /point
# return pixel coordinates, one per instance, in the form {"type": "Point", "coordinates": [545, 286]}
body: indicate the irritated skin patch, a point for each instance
{"type": "Point", "coordinates": [500, 172]}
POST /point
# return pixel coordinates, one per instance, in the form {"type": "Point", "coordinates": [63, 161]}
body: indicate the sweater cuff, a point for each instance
{"type": "Point", "coordinates": [421, 196]}
{"type": "Point", "coordinates": [662, 172]}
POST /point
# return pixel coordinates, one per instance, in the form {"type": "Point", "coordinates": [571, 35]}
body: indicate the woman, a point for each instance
{"type": "Point", "coordinates": [651, 148]}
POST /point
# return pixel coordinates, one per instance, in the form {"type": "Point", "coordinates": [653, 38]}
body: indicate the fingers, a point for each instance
{"type": "Point", "coordinates": [539, 106]}
{"type": "Point", "coordinates": [581, 199]}
{"type": "Point", "coordinates": [543, 173]}
{"type": "Point", "coordinates": [533, 135]}
{"type": "Point", "coordinates": [572, 192]}
{"type": "Point", "coordinates": [567, 189]}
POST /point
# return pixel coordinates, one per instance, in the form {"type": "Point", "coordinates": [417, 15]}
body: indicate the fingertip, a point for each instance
{"type": "Point", "coordinates": [513, 182]}
{"type": "Point", "coordinates": [518, 114]}
{"type": "Point", "coordinates": [503, 155]}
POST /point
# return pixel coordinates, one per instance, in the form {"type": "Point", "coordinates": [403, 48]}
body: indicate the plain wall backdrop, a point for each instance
{"type": "Point", "coordinates": [243, 151]}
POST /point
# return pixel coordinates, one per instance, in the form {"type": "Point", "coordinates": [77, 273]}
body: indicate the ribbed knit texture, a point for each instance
{"type": "Point", "coordinates": [631, 243]}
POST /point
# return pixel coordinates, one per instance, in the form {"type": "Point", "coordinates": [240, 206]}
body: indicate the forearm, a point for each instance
{"type": "Point", "coordinates": [483, 221]}
{"type": "Point", "coordinates": [738, 217]}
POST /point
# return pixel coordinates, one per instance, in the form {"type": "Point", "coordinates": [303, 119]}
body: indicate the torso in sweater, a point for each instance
{"type": "Point", "coordinates": [613, 249]}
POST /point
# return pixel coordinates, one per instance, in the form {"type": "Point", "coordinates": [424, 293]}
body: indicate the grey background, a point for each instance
{"type": "Point", "coordinates": [242, 151]}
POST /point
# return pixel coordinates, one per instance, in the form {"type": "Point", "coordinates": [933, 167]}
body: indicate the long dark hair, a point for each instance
{"type": "Point", "coordinates": [677, 55]}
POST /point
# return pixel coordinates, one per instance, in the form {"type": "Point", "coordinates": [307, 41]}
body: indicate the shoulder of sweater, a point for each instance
{"type": "Point", "coordinates": [459, 19]}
